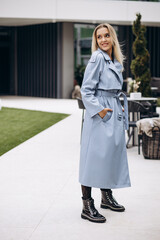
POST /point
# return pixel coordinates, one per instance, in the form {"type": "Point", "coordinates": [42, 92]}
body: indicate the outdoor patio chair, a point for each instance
{"type": "Point", "coordinates": [136, 111]}
{"type": "Point", "coordinates": [81, 106]}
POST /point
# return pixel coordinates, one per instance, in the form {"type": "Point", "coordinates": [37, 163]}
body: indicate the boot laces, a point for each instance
{"type": "Point", "coordinates": [91, 207]}
{"type": "Point", "coordinates": [110, 197]}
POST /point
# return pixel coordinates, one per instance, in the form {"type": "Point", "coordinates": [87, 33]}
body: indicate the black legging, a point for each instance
{"type": "Point", "coordinates": [86, 192]}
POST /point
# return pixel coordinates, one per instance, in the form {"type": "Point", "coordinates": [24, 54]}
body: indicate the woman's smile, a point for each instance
{"type": "Point", "coordinates": [104, 44]}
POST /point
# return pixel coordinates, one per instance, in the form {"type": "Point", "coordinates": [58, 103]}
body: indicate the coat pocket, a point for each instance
{"type": "Point", "coordinates": [107, 116]}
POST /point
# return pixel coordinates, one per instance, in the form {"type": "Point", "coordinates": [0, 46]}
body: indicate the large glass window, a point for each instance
{"type": "Point", "coordinates": [82, 40]}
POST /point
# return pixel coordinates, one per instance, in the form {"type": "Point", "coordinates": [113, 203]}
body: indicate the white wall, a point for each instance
{"type": "Point", "coordinates": [21, 12]}
{"type": "Point", "coordinates": [119, 12]}
{"type": "Point", "coordinates": [25, 12]}
{"type": "Point", "coordinates": [28, 8]}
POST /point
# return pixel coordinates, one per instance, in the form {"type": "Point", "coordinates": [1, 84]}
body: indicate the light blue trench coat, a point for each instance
{"type": "Point", "coordinates": [103, 157]}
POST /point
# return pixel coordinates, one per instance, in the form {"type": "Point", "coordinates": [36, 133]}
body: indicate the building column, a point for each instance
{"type": "Point", "coordinates": [67, 59]}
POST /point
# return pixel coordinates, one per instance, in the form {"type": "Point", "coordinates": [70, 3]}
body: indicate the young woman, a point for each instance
{"type": "Point", "coordinates": [103, 158]}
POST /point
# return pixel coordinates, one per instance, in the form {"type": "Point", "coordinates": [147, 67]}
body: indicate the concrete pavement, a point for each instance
{"type": "Point", "coordinates": [40, 197]}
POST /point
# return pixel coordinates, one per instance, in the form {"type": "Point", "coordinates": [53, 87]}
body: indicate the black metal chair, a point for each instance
{"type": "Point", "coordinates": [81, 106]}
{"type": "Point", "coordinates": [137, 111]}
{"type": "Point", "coordinates": [152, 107]}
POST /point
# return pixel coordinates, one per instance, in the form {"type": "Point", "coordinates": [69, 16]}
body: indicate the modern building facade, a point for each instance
{"type": "Point", "coordinates": [38, 44]}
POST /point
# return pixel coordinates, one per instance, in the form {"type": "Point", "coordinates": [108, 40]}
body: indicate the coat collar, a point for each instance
{"type": "Point", "coordinates": [115, 66]}
{"type": "Point", "coordinates": [105, 55]}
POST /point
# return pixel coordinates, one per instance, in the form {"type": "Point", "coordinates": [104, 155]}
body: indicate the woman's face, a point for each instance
{"type": "Point", "coordinates": [104, 40]}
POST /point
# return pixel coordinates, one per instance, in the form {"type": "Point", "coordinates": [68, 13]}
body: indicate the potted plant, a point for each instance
{"type": "Point", "coordinates": [133, 86]}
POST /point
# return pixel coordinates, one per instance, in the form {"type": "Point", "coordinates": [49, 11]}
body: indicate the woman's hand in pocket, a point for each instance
{"type": "Point", "coordinates": [103, 113]}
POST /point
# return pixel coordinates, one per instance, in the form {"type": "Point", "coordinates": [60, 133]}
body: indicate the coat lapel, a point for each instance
{"type": "Point", "coordinates": [113, 67]}
{"type": "Point", "coordinates": [116, 66]}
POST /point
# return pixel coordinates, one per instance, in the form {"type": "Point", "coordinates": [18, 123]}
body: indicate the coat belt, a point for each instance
{"type": "Point", "coordinates": [116, 94]}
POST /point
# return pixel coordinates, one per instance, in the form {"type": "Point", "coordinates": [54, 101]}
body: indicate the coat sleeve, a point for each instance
{"type": "Point", "coordinates": [89, 85]}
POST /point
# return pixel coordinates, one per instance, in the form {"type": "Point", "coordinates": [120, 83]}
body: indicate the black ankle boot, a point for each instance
{"type": "Point", "coordinates": [108, 201]}
{"type": "Point", "coordinates": [90, 213]}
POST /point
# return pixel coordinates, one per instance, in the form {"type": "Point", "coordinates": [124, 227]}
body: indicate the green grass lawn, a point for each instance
{"type": "Point", "coordinates": [18, 125]}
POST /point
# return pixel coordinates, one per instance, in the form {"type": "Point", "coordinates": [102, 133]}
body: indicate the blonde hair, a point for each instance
{"type": "Point", "coordinates": [116, 46]}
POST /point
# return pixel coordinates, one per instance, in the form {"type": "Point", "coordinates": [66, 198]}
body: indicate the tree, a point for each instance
{"type": "Point", "coordinates": [140, 65]}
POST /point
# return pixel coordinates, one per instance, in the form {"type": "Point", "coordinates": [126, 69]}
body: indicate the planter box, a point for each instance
{"type": "Point", "coordinates": [135, 95]}
{"type": "Point", "coordinates": [150, 145]}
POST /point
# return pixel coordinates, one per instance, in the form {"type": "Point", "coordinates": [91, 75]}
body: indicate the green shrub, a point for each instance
{"type": "Point", "coordinates": [140, 65]}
